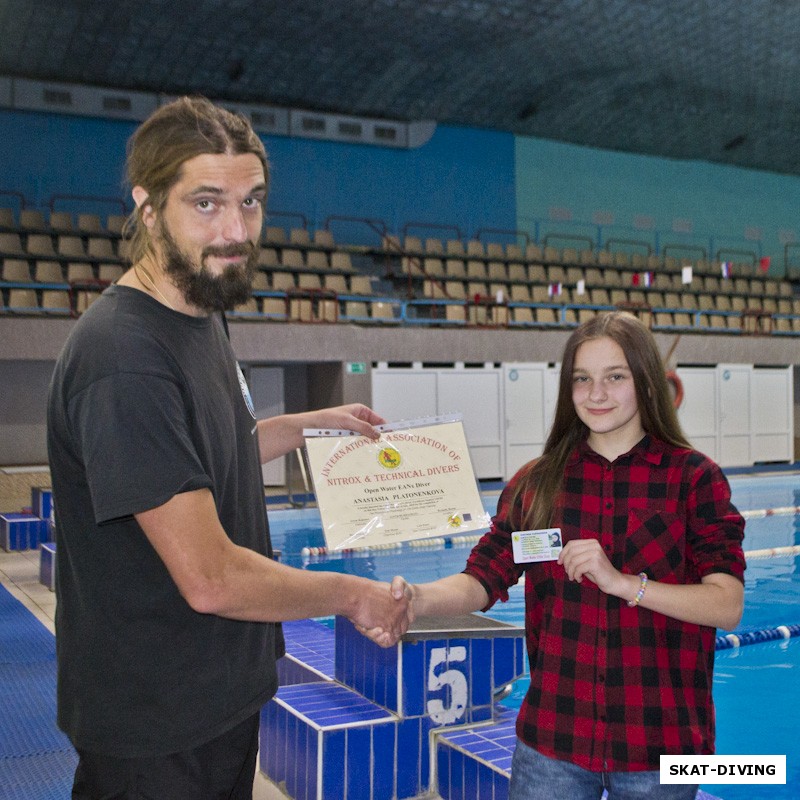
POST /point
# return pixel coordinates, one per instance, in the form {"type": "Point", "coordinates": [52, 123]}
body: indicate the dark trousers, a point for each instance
{"type": "Point", "coordinates": [222, 769]}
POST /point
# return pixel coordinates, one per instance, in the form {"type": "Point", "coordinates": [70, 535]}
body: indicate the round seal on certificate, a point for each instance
{"type": "Point", "coordinates": [389, 458]}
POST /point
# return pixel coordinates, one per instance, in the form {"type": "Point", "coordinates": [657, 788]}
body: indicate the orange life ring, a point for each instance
{"type": "Point", "coordinates": [677, 386]}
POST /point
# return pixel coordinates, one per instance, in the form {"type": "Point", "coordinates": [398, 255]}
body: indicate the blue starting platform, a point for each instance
{"type": "Point", "coordinates": [354, 721]}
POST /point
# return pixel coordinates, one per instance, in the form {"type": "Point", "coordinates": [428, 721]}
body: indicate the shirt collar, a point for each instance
{"type": "Point", "coordinates": [648, 449]}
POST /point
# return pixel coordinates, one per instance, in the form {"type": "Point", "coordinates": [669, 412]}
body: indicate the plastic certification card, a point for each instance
{"type": "Point", "coordinates": [415, 482]}
{"type": "Point", "coordinates": [532, 546]}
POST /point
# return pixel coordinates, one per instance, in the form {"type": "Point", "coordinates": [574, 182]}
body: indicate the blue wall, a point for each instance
{"type": "Point", "coordinates": [461, 177]}
{"type": "Point", "coordinates": [466, 178]}
{"type": "Point", "coordinates": [726, 207]}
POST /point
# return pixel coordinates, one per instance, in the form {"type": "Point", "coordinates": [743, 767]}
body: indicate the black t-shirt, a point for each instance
{"type": "Point", "coordinates": [146, 403]}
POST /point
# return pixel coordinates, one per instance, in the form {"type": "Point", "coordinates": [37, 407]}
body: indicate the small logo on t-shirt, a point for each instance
{"type": "Point", "coordinates": [245, 391]}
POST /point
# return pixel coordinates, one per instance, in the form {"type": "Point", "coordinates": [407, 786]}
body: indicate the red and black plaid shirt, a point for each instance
{"type": "Point", "coordinates": [612, 687]}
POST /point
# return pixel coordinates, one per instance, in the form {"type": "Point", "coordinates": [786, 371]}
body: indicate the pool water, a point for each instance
{"type": "Point", "coordinates": [756, 688]}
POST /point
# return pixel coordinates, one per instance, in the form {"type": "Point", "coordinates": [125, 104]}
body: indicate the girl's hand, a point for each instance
{"type": "Point", "coordinates": [585, 558]}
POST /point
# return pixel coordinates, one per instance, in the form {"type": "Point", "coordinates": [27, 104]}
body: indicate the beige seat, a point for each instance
{"type": "Point", "coordinates": [84, 299]}
{"type": "Point", "coordinates": [32, 219]}
{"type": "Point", "coordinates": [335, 283]}
{"type": "Point", "coordinates": [260, 282]}
{"type": "Point", "coordinates": [300, 309]}
{"type": "Point", "coordinates": [455, 268]}
{"type": "Point", "coordinates": [360, 284]}
{"type": "Point", "coordinates": [433, 290]}
{"type": "Point", "coordinates": [56, 301]}
{"type": "Point", "coordinates": [22, 300]}
{"type": "Point", "coordinates": [309, 280]}
{"type": "Point", "coordinates": [100, 247]}
{"type": "Point", "coordinates": [282, 281]}
{"type": "Point", "coordinates": [89, 223]}
{"type": "Point", "coordinates": [323, 238]}
{"type": "Point", "coordinates": [476, 270]}
{"type": "Point", "coordinates": [15, 269]}
{"type": "Point", "coordinates": [455, 312]}
{"type": "Point", "coordinates": [663, 319]}
{"type": "Point", "coordinates": [273, 308]}
{"type": "Point", "coordinates": [328, 310]}
{"type": "Point", "coordinates": [110, 272]}
{"type": "Point", "coordinates": [537, 273]}
{"type": "Point", "coordinates": [317, 259]}
{"type": "Point", "coordinates": [520, 293]}
{"type": "Point", "coordinates": [475, 248]}
{"type": "Point", "coordinates": [7, 217]}
{"type": "Point", "coordinates": [496, 271]}
{"type": "Point", "coordinates": [522, 315]}
{"type": "Point", "coordinates": [517, 272]}
{"type": "Point", "coordinates": [78, 271]}
{"type": "Point", "coordinates": [299, 236]}
{"type": "Point", "coordinates": [455, 289]}
{"type": "Point", "coordinates": [115, 223]}
{"type": "Point", "coordinates": [382, 311]}
{"type": "Point", "coordinates": [514, 252]}
{"type": "Point", "coordinates": [495, 250]}
{"type": "Point", "coordinates": [434, 247]}
{"type": "Point", "coordinates": [341, 261]}
{"type": "Point", "coordinates": [546, 316]}
{"type": "Point", "coordinates": [40, 244]}
{"type": "Point", "coordinates": [268, 257]}
{"type": "Point", "coordinates": [454, 247]}
{"type": "Point", "coordinates": [48, 272]}
{"type": "Point", "coordinates": [248, 308]}
{"type": "Point", "coordinates": [61, 221]}
{"type": "Point", "coordinates": [413, 244]}
{"type": "Point", "coordinates": [533, 252]}
{"type": "Point", "coordinates": [11, 244]}
{"type": "Point", "coordinates": [433, 267]}
{"type": "Point", "coordinates": [411, 265]}
{"type": "Point", "coordinates": [292, 259]}
{"type": "Point", "coordinates": [274, 234]}
{"type": "Point", "coordinates": [356, 310]}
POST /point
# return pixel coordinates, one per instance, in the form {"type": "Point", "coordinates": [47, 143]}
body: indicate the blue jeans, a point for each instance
{"type": "Point", "coordinates": [537, 777]}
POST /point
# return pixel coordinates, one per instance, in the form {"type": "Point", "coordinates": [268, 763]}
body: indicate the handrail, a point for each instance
{"type": "Point", "coordinates": [786, 247]}
{"type": "Point", "coordinates": [13, 193]}
{"type": "Point", "coordinates": [291, 214]}
{"type": "Point", "coordinates": [504, 232]}
{"type": "Point", "coordinates": [376, 225]}
{"type": "Point", "coordinates": [568, 237]}
{"type": "Point", "coordinates": [633, 242]}
{"type": "Point", "coordinates": [695, 247]}
{"type": "Point", "coordinates": [117, 201]}
{"type": "Point", "coordinates": [726, 250]}
{"type": "Point", "coordinates": [433, 226]}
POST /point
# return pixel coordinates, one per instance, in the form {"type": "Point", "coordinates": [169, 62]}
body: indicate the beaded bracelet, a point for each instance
{"type": "Point", "coordinates": [640, 594]}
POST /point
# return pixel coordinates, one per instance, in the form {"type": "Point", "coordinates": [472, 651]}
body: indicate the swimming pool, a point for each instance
{"type": "Point", "coordinates": [755, 687]}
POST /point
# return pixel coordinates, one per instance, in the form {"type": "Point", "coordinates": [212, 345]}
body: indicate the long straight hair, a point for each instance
{"type": "Point", "coordinates": [544, 477]}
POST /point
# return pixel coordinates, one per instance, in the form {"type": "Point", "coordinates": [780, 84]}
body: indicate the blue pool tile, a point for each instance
{"type": "Point", "coordinates": [414, 678]}
{"type": "Point", "coordinates": [480, 667]}
{"type": "Point", "coordinates": [333, 761]}
{"type": "Point", "coordinates": [409, 743]}
{"type": "Point", "coordinates": [485, 783]}
{"type": "Point", "coordinates": [470, 784]}
{"type": "Point", "coordinates": [359, 768]}
{"type": "Point", "coordinates": [443, 770]}
{"type": "Point", "coordinates": [384, 746]}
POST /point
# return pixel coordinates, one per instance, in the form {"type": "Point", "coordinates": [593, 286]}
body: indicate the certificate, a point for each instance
{"type": "Point", "coordinates": [415, 482]}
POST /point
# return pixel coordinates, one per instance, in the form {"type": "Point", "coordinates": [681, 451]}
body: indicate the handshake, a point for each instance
{"type": "Point", "coordinates": [384, 611]}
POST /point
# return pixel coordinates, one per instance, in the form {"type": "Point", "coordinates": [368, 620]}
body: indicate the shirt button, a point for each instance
{"type": "Point", "coordinates": [608, 504]}
{"type": "Point", "coordinates": [607, 547]}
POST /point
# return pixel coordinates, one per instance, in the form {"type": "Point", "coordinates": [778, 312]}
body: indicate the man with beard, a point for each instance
{"type": "Point", "coordinates": [169, 601]}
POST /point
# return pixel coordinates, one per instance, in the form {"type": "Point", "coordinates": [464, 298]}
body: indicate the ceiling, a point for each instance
{"type": "Point", "coordinates": [717, 80]}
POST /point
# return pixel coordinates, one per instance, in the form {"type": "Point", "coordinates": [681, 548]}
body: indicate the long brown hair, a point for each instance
{"type": "Point", "coordinates": [544, 476]}
{"type": "Point", "coordinates": [176, 132]}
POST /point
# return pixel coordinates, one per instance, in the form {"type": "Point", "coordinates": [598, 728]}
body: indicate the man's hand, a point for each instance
{"type": "Point", "coordinates": [352, 417]}
{"type": "Point", "coordinates": [401, 595]}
